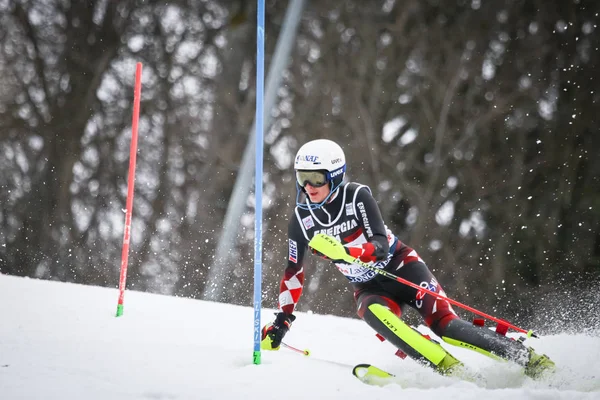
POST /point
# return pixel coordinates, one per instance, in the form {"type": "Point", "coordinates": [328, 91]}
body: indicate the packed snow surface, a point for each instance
{"type": "Point", "coordinates": [63, 341]}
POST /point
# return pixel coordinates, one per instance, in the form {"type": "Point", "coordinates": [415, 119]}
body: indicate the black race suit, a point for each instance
{"type": "Point", "coordinates": [353, 217]}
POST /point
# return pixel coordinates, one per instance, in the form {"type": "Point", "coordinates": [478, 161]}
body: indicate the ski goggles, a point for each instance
{"type": "Point", "coordinates": [315, 178]}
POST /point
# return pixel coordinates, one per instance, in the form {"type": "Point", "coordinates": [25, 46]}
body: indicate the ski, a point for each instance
{"type": "Point", "coordinates": [371, 375]}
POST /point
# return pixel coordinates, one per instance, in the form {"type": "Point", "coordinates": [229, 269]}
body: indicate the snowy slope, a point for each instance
{"type": "Point", "coordinates": [62, 341]}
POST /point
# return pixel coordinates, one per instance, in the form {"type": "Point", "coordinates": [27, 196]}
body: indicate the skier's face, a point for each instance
{"type": "Point", "coordinates": [316, 194]}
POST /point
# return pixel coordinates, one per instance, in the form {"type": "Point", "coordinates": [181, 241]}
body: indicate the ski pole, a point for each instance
{"type": "Point", "coordinates": [306, 352]}
{"type": "Point", "coordinates": [335, 251]}
{"type": "Point", "coordinates": [445, 298]}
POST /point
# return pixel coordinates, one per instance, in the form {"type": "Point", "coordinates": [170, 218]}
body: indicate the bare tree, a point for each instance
{"type": "Point", "coordinates": [473, 122]}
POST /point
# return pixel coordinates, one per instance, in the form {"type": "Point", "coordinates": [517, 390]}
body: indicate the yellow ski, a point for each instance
{"type": "Point", "coordinates": [372, 375]}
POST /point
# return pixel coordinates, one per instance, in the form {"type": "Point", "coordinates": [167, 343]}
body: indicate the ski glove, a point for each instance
{"type": "Point", "coordinates": [273, 333]}
{"type": "Point", "coordinates": [365, 253]}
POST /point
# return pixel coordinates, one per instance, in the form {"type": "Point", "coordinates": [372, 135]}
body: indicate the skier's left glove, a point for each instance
{"type": "Point", "coordinates": [273, 333]}
{"type": "Point", "coordinates": [365, 253]}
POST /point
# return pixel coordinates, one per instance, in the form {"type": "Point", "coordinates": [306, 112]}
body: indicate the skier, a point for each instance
{"type": "Point", "coordinates": [349, 213]}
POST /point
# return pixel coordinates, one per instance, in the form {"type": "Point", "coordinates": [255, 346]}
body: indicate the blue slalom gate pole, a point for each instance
{"type": "Point", "coordinates": [258, 171]}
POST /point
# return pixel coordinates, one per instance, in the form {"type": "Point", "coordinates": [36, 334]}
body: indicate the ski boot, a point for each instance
{"type": "Point", "coordinates": [450, 366]}
{"type": "Point", "coordinates": [538, 365]}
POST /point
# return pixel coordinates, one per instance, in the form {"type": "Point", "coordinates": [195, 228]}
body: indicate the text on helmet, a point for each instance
{"type": "Point", "coordinates": [337, 172]}
{"type": "Point", "coordinates": [308, 158]}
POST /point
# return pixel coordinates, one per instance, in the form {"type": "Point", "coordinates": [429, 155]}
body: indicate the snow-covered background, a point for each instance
{"type": "Point", "coordinates": [63, 341]}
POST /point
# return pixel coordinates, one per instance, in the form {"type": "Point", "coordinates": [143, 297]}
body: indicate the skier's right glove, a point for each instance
{"type": "Point", "coordinates": [273, 333]}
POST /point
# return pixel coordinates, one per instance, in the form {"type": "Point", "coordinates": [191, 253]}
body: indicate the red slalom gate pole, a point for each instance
{"type": "Point", "coordinates": [130, 183]}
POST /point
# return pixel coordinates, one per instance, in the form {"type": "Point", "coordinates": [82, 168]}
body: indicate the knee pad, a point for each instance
{"type": "Point", "coordinates": [439, 325]}
{"type": "Point", "coordinates": [365, 300]}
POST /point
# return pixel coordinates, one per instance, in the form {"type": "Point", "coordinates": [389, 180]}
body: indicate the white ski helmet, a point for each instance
{"type": "Point", "coordinates": [322, 155]}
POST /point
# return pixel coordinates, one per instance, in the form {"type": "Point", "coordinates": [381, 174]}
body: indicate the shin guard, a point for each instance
{"type": "Point", "coordinates": [485, 341]}
{"type": "Point", "coordinates": [408, 339]}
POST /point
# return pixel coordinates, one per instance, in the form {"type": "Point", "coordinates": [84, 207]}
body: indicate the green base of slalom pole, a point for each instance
{"type": "Point", "coordinates": [256, 357]}
{"type": "Point", "coordinates": [120, 310]}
